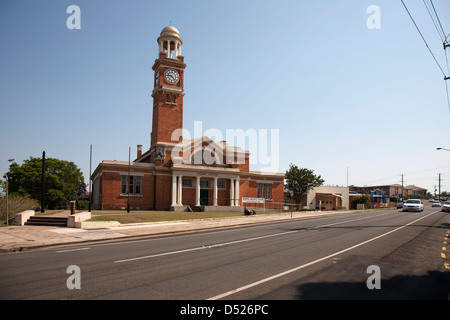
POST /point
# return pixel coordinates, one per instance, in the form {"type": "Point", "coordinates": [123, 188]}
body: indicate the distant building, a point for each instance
{"type": "Point", "coordinates": [322, 198]}
{"type": "Point", "coordinates": [328, 198]}
{"type": "Point", "coordinates": [416, 191]}
{"type": "Point", "coordinates": [390, 192]}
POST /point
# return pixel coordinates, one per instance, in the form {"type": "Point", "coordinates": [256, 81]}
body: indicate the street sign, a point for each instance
{"type": "Point", "coordinates": [253, 200]}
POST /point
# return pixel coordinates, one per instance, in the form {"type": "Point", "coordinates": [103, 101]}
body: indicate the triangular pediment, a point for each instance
{"type": "Point", "coordinates": [205, 151]}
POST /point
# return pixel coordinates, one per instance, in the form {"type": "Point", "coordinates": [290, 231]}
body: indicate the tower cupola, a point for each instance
{"type": "Point", "coordinates": [170, 42]}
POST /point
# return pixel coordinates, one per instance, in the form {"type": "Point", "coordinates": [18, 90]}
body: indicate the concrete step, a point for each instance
{"type": "Point", "coordinates": [47, 221]}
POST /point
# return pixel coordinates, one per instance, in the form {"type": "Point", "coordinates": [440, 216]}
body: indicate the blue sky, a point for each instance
{"type": "Point", "coordinates": [340, 94]}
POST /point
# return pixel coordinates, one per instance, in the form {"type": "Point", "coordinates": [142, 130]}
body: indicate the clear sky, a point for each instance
{"type": "Point", "coordinates": [341, 95]}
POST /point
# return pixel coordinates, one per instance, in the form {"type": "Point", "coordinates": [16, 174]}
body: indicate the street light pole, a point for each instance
{"type": "Point", "coordinates": [7, 218]}
{"type": "Point", "coordinates": [442, 149]}
{"type": "Point", "coordinates": [90, 179]}
{"type": "Point", "coordinates": [129, 160]}
{"type": "Point", "coordinates": [43, 184]}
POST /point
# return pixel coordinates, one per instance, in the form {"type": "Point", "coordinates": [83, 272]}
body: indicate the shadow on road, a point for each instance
{"type": "Point", "coordinates": [433, 286]}
{"type": "Point", "coordinates": [362, 227]}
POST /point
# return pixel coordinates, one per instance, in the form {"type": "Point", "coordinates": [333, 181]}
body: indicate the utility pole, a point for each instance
{"type": "Point", "coordinates": [43, 184]}
{"type": "Point", "coordinates": [129, 164]}
{"type": "Point", "coordinates": [439, 187]}
{"type": "Point", "coordinates": [90, 180]}
{"type": "Point", "coordinates": [403, 196]}
{"type": "Point", "coordinates": [347, 176]}
{"type": "Point", "coordinates": [7, 218]}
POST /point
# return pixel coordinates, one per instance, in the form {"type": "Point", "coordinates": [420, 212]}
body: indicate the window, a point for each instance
{"type": "Point", "coordinates": [131, 184]}
{"type": "Point", "coordinates": [135, 185]}
{"type": "Point", "coordinates": [138, 185]}
{"type": "Point", "coordinates": [123, 188]}
{"type": "Point", "coordinates": [204, 183]}
{"type": "Point", "coordinates": [187, 182]}
{"type": "Point", "coordinates": [265, 190]}
{"type": "Point", "coordinates": [220, 184]}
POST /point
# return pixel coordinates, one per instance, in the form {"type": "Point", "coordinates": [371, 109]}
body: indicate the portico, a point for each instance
{"type": "Point", "coordinates": [187, 189]}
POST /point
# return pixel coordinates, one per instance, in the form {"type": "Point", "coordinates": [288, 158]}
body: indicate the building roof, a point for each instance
{"type": "Point", "coordinates": [416, 188]}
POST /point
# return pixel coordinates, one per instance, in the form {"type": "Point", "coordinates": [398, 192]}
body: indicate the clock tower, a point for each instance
{"type": "Point", "coordinates": [168, 89]}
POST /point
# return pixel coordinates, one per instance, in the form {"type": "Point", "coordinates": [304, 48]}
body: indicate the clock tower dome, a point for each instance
{"type": "Point", "coordinates": [168, 89]}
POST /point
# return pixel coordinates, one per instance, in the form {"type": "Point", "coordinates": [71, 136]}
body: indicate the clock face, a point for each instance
{"type": "Point", "coordinates": [171, 76]}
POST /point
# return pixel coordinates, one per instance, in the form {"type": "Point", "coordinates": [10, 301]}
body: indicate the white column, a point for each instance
{"type": "Point", "coordinates": [180, 190]}
{"type": "Point", "coordinates": [215, 191]}
{"type": "Point", "coordinates": [176, 49]}
{"type": "Point", "coordinates": [179, 50]}
{"type": "Point", "coordinates": [197, 192]}
{"type": "Point", "coordinates": [168, 48]}
{"type": "Point", "coordinates": [160, 47]}
{"type": "Point", "coordinates": [236, 201]}
{"type": "Point", "coordinates": [174, 190]}
{"type": "Point", "coordinates": [232, 192]}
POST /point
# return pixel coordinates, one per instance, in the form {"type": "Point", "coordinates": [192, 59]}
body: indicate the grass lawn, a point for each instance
{"type": "Point", "coordinates": [155, 216]}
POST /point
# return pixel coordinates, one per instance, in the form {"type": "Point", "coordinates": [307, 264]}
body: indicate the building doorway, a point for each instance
{"type": "Point", "coordinates": [204, 197]}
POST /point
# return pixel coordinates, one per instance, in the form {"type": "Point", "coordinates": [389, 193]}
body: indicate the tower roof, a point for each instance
{"type": "Point", "coordinates": [170, 32]}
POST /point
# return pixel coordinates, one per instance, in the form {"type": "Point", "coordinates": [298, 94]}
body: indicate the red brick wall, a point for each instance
{"type": "Point", "coordinates": [110, 197]}
{"type": "Point", "coordinates": [163, 193]}
{"type": "Point", "coordinates": [249, 189]}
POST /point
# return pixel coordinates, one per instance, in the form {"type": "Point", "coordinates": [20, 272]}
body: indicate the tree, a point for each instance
{"type": "Point", "coordinates": [300, 181]}
{"type": "Point", "coordinates": [364, 199]}
{"type": "Point", "coordinates": [62, 180]}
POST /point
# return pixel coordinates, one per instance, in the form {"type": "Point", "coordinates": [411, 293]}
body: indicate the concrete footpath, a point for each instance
{"type": "Point", "coordinates": [19, 238]}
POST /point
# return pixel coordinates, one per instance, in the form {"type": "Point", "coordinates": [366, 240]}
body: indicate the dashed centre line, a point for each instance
{"type": "Point", "coordinates": [236, 241]}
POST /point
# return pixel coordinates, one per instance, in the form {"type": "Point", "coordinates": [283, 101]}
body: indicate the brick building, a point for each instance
{"type": "Point", "coordinates": [176, 173]}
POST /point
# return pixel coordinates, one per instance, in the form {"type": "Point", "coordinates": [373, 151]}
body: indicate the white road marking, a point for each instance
{"type": "Point", "coordinates": [237, 241]}
{"type": "Point", "coordinates": [70, 250]}
{"type": "Point", "coordinates": [228, 293]}
{"type": "Point", "coordinates": [203, 247]}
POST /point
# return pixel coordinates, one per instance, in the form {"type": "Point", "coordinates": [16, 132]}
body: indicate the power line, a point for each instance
{"type": "Point", "coordinates": [434, 22]}
{"type": "Point", "coordinates": [412, 19]}
{"type": "Point", "coordinates": [443, 38]}
{"type": "Point", "coordinates": [434, 9]}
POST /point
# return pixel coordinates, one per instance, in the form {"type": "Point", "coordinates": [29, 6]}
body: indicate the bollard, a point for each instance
{"type": "Point", "coordinates": [72, 207]}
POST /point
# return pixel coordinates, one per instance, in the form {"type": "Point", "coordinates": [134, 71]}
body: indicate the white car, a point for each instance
{"type": "Point", "coordinates": [446, 206]}
{"type": "Point", "coordinates": [413, 205]}
{"type": "Point", "coordinates": [435, 204]}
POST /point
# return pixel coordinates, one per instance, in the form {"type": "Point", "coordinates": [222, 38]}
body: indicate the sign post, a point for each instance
{"type": "Point", "coordinates": [254, 200]}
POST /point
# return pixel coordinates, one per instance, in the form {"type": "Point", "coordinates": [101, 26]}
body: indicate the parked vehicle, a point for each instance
{"type": "Point", "coordinates": [446, 206]}
{"type": "Point", "coordinates": [399, 205]}
{"type": "Point", "coordinates": [413, 205]}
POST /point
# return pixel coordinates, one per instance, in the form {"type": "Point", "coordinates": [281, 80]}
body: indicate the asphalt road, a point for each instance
{"type": "Point", "coordinates": [318, 258]}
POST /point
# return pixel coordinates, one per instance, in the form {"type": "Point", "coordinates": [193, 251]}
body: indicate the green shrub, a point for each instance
{"type": "Point", "coordinates": [364, 199]}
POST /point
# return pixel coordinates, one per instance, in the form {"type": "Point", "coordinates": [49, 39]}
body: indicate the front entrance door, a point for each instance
{"type": "Point", "coordinates": [204, 197]}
